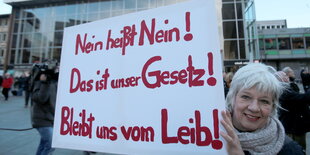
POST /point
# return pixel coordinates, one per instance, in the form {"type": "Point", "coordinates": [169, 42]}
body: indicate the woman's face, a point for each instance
{"type": "Point", "coordinates": [251, 109]}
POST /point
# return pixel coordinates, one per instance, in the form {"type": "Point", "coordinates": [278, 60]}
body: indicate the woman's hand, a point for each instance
{"type": "Point", "coordinates": [233, 143]}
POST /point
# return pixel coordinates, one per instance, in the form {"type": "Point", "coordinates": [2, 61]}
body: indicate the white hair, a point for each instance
{"type": "Point", "coordinates": [259, 76]}
{"type": "Point", "coordinates": [287, 70]}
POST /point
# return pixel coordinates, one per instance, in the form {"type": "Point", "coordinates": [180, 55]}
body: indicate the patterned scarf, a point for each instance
{"type": "Point", "coordinates": [266, 141]}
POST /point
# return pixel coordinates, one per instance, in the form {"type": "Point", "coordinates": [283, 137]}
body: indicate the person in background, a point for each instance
{"type": "Point", "coordinates": [291, 76]}
{"type": "Point", "coordinates": [6, 85]}
{"type": "Point", "coordinates": [228, 79]}
{"type": "Point", "coordinates": [295, 113]}
{"type": "Point", "coordinates": [21, 84]}
{"type": "Point", "coordinates": [27, 89]}
{"type": "Point", "coordinates": [305, 78]}
{"type": "Point", "coordinates": [251, 122]}
{"type": "Point", "coordinates": [44, 100]}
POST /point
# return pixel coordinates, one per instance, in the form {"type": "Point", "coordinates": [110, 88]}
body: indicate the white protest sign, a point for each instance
{"type": "Point", "coordinates": [143, 83]}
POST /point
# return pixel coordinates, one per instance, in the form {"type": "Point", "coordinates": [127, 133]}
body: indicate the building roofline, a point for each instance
{"type": "Point", "coordinates": [19, 3]}
{"type": "Point", "coordinates": [5, 15]}
{"type": "Point", "coordinates": [271, 20]}
{"type": "Point", "coordinates": [284, 31]}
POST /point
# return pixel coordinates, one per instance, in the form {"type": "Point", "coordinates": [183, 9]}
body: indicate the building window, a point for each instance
{"type": "Point", "coordinates": [240, 29]}
{"type": "Point", "coordinates": [228, 1]}
{"type": "Point", "coordinates": [230, 49]}
{"type": "Point", "coordinates": [2, 37]}
{"type": "Point", "coordinates": [239, 11]}
{"type": "Point", "coordinates": [284, 43]}
{"type": "Point", "coordinates": [230, 30]}
{"type": "Point", "coordinates": [26, 56]}
{"type": "Point", "coordinates": [272, 27]}
{"type": "Point", "coordinates": [228, 11]}
{"type": "Point", "coordinates": [270, 44]}
{"type": "Point", "coordinates": [261, 44]}
{"type": "Point", "coordinates": [242, 49]}
{"type": "Point", "coordinates": [1, 52]}
{"type": "Point", "coordinates": [278, 26]}
{"type": "Point", "coordinates": [298, 43]}
{"type": "Point", "coordinates": [12, 59]}
{"type": "Point", "coordinates": [268, 27]}
{"type": "Point", "coordinates": [307, 42]}
{"type": "Point", "coordinates": [263, 27]}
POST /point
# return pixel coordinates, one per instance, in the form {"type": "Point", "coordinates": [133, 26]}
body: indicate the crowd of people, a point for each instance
{"type": "Point", "coordinates": [267, 113]}
{"type": "Point", "coordinates": [15, 85]}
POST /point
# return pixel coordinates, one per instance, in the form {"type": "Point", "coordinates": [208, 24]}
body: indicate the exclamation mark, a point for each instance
{"type": "Point", "coordinates": [211, 81]}
{"type": "Point", "coordinates": [188, 36]}
{"type": "Point", "coordinates": [216, 144]}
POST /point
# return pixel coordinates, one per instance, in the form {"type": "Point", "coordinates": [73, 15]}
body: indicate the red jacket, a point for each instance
{"type": "Point", "coordinates": [7, 83]}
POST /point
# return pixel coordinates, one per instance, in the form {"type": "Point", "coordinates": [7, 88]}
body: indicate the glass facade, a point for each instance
{"type": "Point", "coordinates": [240, 37]}
{"type": "Point", "coordinates": [285, 46]}
{"type": "Point", "coordinates": [38, 30]}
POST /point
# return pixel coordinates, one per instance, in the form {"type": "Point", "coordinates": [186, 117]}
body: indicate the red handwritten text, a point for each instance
{"type": "Point", "coordinates": [189, 75]}
{"type": "Point", "coordinates": [186, 135]}
{"type": "Point", "coordinates": [138, 133]}
{"type": "Point", "coordinates": [122, 42]}
{"type": "Point", "coordinates": [104, 132]}
{"type": "Point", "coordinates": [87, 85]}
{"type": "Point", "coordinates": [87, 47]}
{"type": "Point", "coordinates": [159, 36]}
{"type": "Point", "coordinates": [71, 127]}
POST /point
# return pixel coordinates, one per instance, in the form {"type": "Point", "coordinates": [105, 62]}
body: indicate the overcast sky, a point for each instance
{"type": "Point", "coordinates": [296, 12]}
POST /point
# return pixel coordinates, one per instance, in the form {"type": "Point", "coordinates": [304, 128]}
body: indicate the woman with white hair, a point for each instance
{"type": "Point", "coordinates": [251, 122]}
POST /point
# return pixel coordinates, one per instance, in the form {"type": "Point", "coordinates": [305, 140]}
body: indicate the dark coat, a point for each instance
{"type": "Point", "coordinates": [44, 99]}
{"type": "Point", "coordinates": [290, 147]}
{"type": "Point", "coordinates": [296, 116]}
{"type": "Point", "coordinates": [305, 80]}
{"type": "Point", "coordinates": [1, 79]}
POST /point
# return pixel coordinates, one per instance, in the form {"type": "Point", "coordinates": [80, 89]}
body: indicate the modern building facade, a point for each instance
{"type": "Point", "coordinates": [4, 30]}
{"type": "Point", "coordinates": [37, 26]}
{"type": "Point", "coordinates": [285, 47]}
{"type": "Point", "coordinates": [240, 35]}
{"type": "Point", "coordinates": [271, 24]}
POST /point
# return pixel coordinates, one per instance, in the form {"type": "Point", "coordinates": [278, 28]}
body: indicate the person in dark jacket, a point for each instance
{"type": "Point", "coordinates": [227, 81]}
{"type": "Point", "coordinates": [27, 89]}
{"type": "Point", "coordinates": [1, 79]}
{"type": "Point", "coordinates": [44, 99]}
{"type": "Point", "coordinates": [251, 122]}
{"type": "Point", "coordinates": [295, 113]}
{"type": "Point", "coordinates": [305, 78]}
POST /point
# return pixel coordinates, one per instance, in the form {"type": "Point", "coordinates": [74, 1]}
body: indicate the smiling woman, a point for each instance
{"type": "Point", "coordinates": [251, 109]}
{"type": "Point", "coordinates": [251, 122]}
